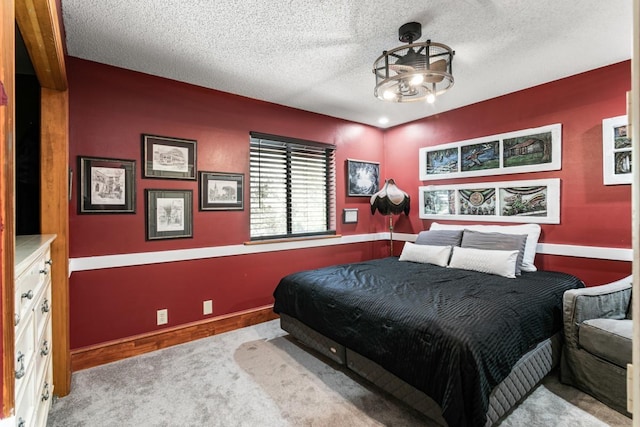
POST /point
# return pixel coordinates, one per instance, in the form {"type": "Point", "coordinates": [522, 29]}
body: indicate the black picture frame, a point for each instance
{"type": "Point", "coordinates": [169, 158]}
{"type": "Point", "coordinates": [220, 191]}
{"type": "Point", "coordinates": [169, 214]}
{"type": "Point", "coordinates": [107, 186]}
{"type": "Point", "coordinates": [363, 178]}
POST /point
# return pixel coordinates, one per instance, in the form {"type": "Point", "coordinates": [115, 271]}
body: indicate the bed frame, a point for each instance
{"type": "Point", "coordinates": [525, 375]}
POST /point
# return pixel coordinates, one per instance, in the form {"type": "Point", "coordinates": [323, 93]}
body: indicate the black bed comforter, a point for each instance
{"type": "Point", "coordinates": [453, 334]}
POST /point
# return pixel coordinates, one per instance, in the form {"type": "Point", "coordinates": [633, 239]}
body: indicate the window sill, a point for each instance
{"type": "Point", "coordinates": [291, 239]}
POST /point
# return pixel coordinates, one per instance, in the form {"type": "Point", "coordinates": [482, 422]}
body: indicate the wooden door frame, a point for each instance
{"type": "Point", "coordinates": [39, 24]}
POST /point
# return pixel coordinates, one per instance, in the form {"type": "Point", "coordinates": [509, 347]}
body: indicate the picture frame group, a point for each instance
{"type": "Point", "coordinates": [363, 178]}
{"type": "Point", "coordinates": [524, 151]}
{"type": "Point", "coordinates": [530, 201]}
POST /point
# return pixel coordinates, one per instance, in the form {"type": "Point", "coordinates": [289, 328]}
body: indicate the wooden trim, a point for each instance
{"type": "Point", "coordinates": [88, 357]}
{"type": "Point", "coordinates": [40, 28]}
{"type": "Point", "coordinates": [54, 219]}
{"type": "Point", "coordinates": [7, 212]}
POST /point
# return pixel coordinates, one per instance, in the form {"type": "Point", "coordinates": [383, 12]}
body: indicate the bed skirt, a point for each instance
{"type": "Point", "coordinates": [525, 375]}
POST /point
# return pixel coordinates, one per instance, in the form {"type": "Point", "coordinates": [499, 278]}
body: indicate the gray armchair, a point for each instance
{"type": "Point", "coordinates": [597, 341]}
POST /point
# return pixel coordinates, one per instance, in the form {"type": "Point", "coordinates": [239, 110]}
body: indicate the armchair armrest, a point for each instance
{"type": "Point", "coordinates": [608, 301]}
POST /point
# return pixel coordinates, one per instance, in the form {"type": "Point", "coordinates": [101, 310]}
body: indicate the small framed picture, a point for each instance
{"type": "Point", "coordinates": [169, 214]}
{"type": "Point", "coordinates": [221, 191]}
{"type": "Point", "coordinates": [616, 149]}
{"type": "Point", "coordinates": [168, 158]}
{"type": "Point", "coordinates": [363, 178]}
{"type": "Point", "coordinates": [350, 216]}
{"type": "Point", "coordinates": [106, 185]}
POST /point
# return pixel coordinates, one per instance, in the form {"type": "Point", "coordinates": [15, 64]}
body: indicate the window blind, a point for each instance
{"type": "Point", "coordinates": [292, 187]}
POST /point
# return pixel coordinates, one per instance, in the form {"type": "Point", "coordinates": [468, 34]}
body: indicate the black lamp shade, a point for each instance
{"type": "Point", "coordinates": [390, 200]}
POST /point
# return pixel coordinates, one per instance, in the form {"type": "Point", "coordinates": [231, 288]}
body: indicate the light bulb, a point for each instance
{"type": "Point", "coordinates": [416, 80]}
{"type": "Point", "coordinates": [388, 95]}
{"type": "Point", "coordinates": [431, 98]}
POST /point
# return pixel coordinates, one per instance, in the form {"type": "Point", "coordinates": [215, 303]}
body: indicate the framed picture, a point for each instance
{"type": "Point", "coordinates": [536, 201]}
{"type": "Point", "coordinates": [221, 191]}
{"type": "Point", "coordinates": [349, 215]}
{"type": "Point", "coordinates": [169, 214]}
{"type": "Point", "coordinates": [523, 151]}
{"type": "Point", "coordinates": [616, 151]}
{"type": "Point", "coordinates": [106, 185]}
{"type": "Point", "coordinates": [363, 178]}
{"type": "Point", "coordinates": [168, 158]}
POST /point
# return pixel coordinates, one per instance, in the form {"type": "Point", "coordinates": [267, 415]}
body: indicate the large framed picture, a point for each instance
{"type": "Point", "coordinates": [616, 151]}
{"type": "Point", "coordinates": [221, 191]}
{"type": "Point", "coordinates": [363, 178]}
{"type": "Point", "coordinates": [522, 151]}
{"type": "Point", "coordinates": [106, 185]}
{"type": "Point", "coordinates": [168, 158]}
{"type": "Point", "coordinates": [535, 201]}
{"type": "Point", "coordinates": [169, 214]}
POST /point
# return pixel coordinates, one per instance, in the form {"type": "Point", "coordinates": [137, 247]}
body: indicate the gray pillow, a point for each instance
{"type": "Point", "coordinates": [496, 241]}
{"type": "Point", "coordinates": [439, 238]}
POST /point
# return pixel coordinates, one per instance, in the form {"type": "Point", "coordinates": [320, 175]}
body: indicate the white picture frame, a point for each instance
{"type": "Point", "coordinates": [616, 151]}
{"type": "Point", "coordinates": [523, 151]}
{"type": "Point", "coordinates": [526, 201]}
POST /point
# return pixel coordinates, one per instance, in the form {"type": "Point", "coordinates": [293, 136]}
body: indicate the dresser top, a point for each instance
{"type": "Point", "coordinates": [29, 247]}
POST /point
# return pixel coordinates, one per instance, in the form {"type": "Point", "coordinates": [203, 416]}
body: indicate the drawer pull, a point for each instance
{"type": "Point", "coordinates": [28, 295]}
{"type": "Point", "coordinates": [44, 350]}
{"type": "Point", "coordinates": [20, 373]}
{"type": "Point", "coordinates": [44, 271]}
{"type": "Point", "coordinates": [49, 261]}
{"type": "Point", "coordinates": [16, 319]}
{"type": "Point", "coordinates": [45, 306]}
{"type": "Point", "coordinates": [21, 422]}
{"type": "Point", "coordinates": [45, 393]}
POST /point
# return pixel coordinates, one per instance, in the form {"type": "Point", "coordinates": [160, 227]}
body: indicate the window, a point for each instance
{"type": "Point", "coordinates": [292, 187]}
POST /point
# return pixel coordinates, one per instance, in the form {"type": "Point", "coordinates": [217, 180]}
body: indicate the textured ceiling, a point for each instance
{"type": "Point", "coordinates": [317, 55]}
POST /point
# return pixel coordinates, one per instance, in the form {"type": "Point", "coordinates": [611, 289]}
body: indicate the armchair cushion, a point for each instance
{"type": "Point", "coordinates": [608, 339]}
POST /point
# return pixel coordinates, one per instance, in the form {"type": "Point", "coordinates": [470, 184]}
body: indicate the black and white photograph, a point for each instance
{"type": "Point", "coordinates": [363, 178]}
{"type": "Point", "coordinates": [106, 185]}
{"type": "Point", "coordinates": [169, 158]}
{"type": "Point", "coordinates": [616, 151]}
{"type": "Point", "coordinates": [221, 191]}
{"type": "Point", "coordinates": [169, 214]}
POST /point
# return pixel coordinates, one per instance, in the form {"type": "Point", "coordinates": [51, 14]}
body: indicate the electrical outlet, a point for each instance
{"type": "Point", "coordinates": [162, 317]}
{"type": "Point", "coordinates": [207, 307]}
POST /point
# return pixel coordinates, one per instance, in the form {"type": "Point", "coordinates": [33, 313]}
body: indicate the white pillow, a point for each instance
{"type": "Point", "coordinates": [502, 263]}
{"type": "Point", "coordinates": [426, 254]}
{"type": "Point", "coordinates": [531, 230]}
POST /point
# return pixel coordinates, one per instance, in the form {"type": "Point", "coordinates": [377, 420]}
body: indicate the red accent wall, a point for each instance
{"type": "Point", "coordinates": [591, 213]}
{"type": "Point", "coordinates": [110, 108]}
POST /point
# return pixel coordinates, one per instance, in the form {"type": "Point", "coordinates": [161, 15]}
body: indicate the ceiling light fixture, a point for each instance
{"type": "Point", "coordinates": [415, 72]}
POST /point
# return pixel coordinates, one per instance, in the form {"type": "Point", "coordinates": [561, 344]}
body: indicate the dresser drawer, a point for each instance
{"type": "Point", "coordinates": [45, 396]}
{"type": "Point", "coordinates": [24, 351]}
{"type": "Point", "coordinates": [43, 353]}
{"type": "Point", "coordinates": [42, 309]}
{"type": "Point", "coordinates": [25, 402]}
{"type": "Point", "coordinates": [28, 285]}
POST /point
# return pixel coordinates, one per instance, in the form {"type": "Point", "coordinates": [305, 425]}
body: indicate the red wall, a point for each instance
{"type": "Point", "coordinates": [592, 214]}
{"type": "Point", "coordinates": [110, 108]}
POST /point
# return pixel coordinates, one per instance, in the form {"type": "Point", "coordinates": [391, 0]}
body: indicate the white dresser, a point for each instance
{"type": "Point", "coordinates": [33, 367]}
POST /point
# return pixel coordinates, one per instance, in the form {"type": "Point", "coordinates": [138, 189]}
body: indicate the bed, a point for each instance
{"type": "Point", "coordinates": [459, 345]}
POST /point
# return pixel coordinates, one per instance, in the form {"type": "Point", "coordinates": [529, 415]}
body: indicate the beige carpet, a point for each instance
{"type": "Point", "coordinates": [257, 376]}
